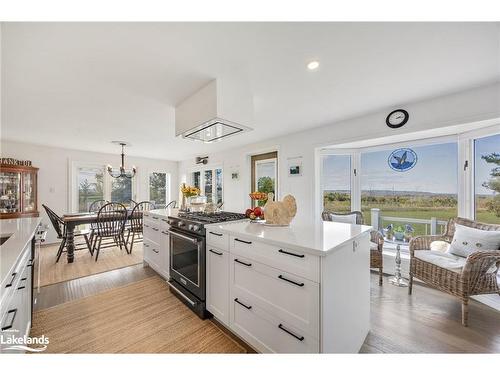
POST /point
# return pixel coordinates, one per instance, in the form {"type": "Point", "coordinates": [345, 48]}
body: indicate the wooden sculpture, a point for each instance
{"type": "Point", "coordinates": [280, 213]}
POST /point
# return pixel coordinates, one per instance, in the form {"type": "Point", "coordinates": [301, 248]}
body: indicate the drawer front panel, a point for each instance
{"type": "Point", "coordinates": [151, 229]}
{"type": "Point", "coordinates": [291, 261]}
{"type": "Point", "coordinates": [152, 253]}
{"type": "Point", "coordinates": [218, 283]}
{"type": "Point", "coordinates": [293, 299]}
{"type": "Point", "coordinates": [217, 239]}
{"type": "Point", "coordinates": [266, 332]}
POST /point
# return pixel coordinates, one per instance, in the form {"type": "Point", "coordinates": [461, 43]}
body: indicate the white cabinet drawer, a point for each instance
{"type": "Point", "coordinates": [151, 230]}
{"type": "Point", "coordinates": [218, 283]}
{"type": "Point", "coordinates": [217, 239]}
{"type": "Point", "coordinates": [268, 333]}
{"type": "Point", "coordinates": [152, 254]}
{"type": "Point", "coordinates": [291, 261]}
{"type": "Point", "coordinates": [291, 298]}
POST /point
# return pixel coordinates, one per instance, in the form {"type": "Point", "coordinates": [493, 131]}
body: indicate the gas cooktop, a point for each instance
{"type": "Point", "coordinates": [211, 218]}
{"type": "Point", "coordinates": [194, 222]}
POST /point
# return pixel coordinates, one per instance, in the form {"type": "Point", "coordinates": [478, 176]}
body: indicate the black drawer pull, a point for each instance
{"type": "Point", "coordinates": [166, 233]}
{"type": "Point", "coordinates": [156, 251]}
{"type": "Point", "coordinates": [247, 242]}
{"type": "Point", "coordinates": [165, 220]}
{"type": "Point", "coordinates": [155, 217]}
{"type": "Point", "coordinates": [145, 225]}
{"type": "Point", "coordinates": [292, 254]}
{"type": "Point", "coordinates": [242, 304]}
{"type": "Point", "coordinates": [24, 286]}
{"type": "Point", "coordinates": [290, 281]}
{"type": "Point", "coordinates": [9, 326]}
{"type": "Point", "coordinates": [215, 252]}
{"type": "Point", "coordinates": [245, 264]}
{"type": "Point", "coordinates": [30, 263]}
{"type": "Point", "coordinates": [216, 234]}
{"type": "Point", "coordinates": [146, 245]}
{"type": "Point", "coordinates": [156, 229]}
{"type": "Point", "coordinates": [11, 280]}
{"type": "Point", "coordinates": [300, 338]}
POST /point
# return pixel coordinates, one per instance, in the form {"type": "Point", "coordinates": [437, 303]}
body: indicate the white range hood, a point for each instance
{"type": "Point", "coordinates": [222, 108]}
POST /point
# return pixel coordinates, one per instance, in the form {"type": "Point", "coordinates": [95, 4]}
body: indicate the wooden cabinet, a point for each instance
{"type": "Point", "coordinates": [18, 191]}
{"type": "Point", "coordinates": [218, 283]}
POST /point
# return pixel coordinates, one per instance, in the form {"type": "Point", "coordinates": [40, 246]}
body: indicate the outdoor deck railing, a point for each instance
{"type": "Point", "coordinates": [433, 226]}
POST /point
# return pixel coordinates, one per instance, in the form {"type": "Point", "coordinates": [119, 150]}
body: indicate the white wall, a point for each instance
{"type": "Point", "coordinates": [469, 106]}
{"type": "Point", "coordinates": [53, 179]}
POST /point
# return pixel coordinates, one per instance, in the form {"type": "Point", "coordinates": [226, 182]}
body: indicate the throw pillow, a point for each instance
{"type": "Point", "coordinates": [468, 240]}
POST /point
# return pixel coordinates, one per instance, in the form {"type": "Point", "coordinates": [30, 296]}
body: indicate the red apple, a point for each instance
{"type": "Point", "coordinates": [248, 212]}
{"type": "Point", "coordinates": [258, 211]}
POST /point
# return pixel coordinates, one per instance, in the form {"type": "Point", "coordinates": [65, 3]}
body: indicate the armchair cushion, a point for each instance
{"type": "Point", "coordinates": [444, 260]}
{"type": "Point", "coordinates": [467, 240]}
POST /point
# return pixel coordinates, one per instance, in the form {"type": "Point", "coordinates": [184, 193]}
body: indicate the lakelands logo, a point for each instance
{"type": "Point", "coordinates": [12, 343]}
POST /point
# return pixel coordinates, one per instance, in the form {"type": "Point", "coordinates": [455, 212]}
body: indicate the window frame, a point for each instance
{"type": "Point", "coordinates": [466, 153]}
{"type": "Point", "coordinates": [74, 166]}
{"type": "Point", "coordinates": [264, 157]}
{"type": "Point", "coordinates": [202, 170]}
{"type": "Point", "coordinates": [167, 182]}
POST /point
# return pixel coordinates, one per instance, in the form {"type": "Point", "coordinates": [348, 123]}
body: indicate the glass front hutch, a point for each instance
{"type": "Point", "coordinates": [18, 191]}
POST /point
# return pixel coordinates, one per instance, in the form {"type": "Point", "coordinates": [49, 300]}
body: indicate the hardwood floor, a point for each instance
{"type": "Point", "coordinates": [56, 294]}
{"type": "Point", "coordinates": [426, 322]}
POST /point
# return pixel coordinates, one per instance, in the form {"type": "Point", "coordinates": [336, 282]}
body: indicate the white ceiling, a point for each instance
{"type": "Point", "coordinates": [82, 85]}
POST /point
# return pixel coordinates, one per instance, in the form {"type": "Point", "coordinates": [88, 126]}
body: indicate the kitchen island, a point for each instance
{"type": "Point", "coordinates": [301, 289]}
{"type": "Point", "coordinates": [16, 271]}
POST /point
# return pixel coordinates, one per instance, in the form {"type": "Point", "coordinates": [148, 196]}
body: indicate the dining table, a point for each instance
{"type": "Point", "coordinates": [72, 220]}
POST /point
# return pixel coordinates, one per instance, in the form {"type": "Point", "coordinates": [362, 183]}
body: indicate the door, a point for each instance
{"type": "Point", "coordinates": [29, 192]}
{"type": "Point", "coordinates": [218, 284]}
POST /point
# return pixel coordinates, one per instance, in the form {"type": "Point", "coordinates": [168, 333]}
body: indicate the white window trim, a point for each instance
{"type": "Point", "coordinates": [168, 188]}
{"type": "Point", "coordinates": [202, 170]}
{"type": "Point", "coordinates": [465, 180]}
{"type": "Point", "coordinates": [73, 167]}
{"type": "Point", "coordinates": [275, 160]}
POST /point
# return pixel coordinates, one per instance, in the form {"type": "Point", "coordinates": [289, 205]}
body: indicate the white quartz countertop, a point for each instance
{"type": "Point", "coordinates": [164, 212]}
{"type": "Point", "coordinates": [317, 239]}
{"type": "Point", "coordinates": [21, 232]}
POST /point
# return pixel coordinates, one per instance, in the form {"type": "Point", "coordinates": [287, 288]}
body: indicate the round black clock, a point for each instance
{"type": "Point", "coordinates": [397, 118]}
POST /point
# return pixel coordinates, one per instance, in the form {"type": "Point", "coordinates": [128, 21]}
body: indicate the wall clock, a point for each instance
{"type": "Point", "coordinates": [397, 118]}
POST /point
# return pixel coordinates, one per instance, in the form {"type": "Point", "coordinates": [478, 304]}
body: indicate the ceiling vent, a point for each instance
{"type": "Point", "coordinates": [218, 110]}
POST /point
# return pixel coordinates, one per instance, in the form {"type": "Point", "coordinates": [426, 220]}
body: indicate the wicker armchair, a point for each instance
{"type": "Point", "coordinates": [376, 239]}
{"type": "Point", "coordinates": [476, 276]}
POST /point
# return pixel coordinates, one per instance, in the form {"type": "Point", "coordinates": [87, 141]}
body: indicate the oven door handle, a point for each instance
{"type": "Point", "coordinates": [190, 239]}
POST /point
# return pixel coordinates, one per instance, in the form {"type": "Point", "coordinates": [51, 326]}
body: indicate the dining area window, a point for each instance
{"type": "Point", "coordinates": [91, 183]}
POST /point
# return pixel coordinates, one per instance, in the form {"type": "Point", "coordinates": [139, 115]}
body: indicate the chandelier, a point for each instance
{"type": "Point", "coordinates": [121, 172]}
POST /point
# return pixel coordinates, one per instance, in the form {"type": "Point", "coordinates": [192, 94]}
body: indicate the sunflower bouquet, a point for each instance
{"type": "Point", "coordinates": [189, 191]}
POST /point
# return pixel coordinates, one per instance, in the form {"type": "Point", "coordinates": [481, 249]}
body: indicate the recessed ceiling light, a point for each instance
{"type": "Point", "coordinates": [313, 65]}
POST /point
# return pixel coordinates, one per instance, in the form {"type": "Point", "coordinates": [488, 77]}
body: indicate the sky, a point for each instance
{"type": "Point", "coordinates": [435, 171]}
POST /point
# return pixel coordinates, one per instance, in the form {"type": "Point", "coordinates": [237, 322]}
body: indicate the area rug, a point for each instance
{"type": "Point", "coordinates": [84, 265]}
{"type": "Point", "coordinates": [142, 317]}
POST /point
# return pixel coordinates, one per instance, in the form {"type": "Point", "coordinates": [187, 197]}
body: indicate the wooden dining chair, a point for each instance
{"type": "Point", "coordinates": [60, 228]}
{"type": "Point", "coordinates": [94, 207]}
{"type": "Point", "coordinates": [111, 220]}
{"type": "Point", "coordinates": [137, 220]}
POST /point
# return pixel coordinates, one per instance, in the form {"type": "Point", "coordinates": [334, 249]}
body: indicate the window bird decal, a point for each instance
{"type": "Point", "coordinates": [401, 160]}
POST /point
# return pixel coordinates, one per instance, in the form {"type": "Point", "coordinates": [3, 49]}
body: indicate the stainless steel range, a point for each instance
{"type": "Point", "coordinates": [187, 255]}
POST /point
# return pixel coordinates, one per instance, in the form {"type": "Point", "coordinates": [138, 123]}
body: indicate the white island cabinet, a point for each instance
{"type": "Point", "coordinates": [291, 289]}
{"type": "Point", "coordinates": [156, 243]}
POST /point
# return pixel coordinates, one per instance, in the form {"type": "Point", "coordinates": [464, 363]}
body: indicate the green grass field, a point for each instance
{"type": "Point", "coordinates": [440, 213]}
